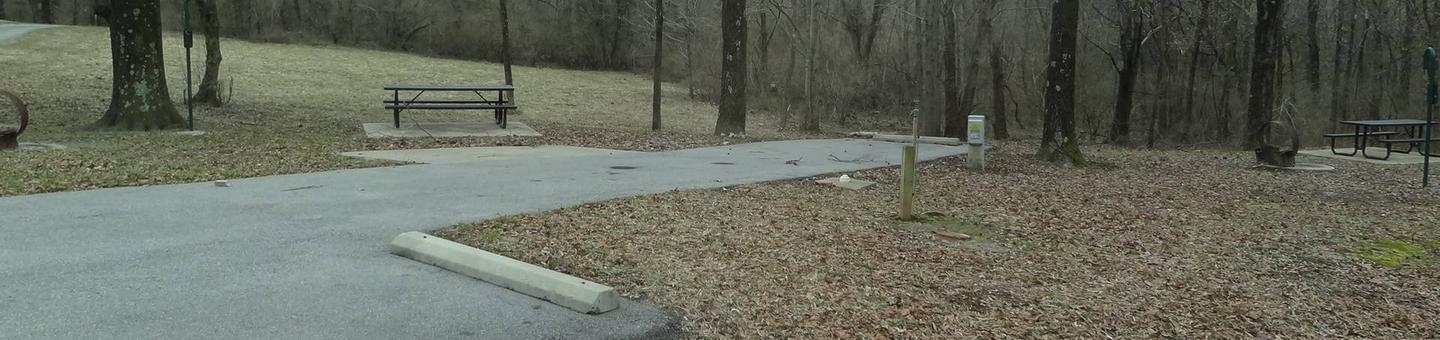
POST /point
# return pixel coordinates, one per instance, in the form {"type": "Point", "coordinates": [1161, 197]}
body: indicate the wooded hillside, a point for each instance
{"type": "Point", "coordinates": [1158, 73]}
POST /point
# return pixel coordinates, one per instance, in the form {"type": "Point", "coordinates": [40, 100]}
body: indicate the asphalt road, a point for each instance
{"type": "Point", "coordinates": [304, 256]}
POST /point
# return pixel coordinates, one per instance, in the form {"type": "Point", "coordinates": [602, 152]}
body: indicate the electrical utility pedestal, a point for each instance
{"type": "Point", "coordinates": [975, 140]}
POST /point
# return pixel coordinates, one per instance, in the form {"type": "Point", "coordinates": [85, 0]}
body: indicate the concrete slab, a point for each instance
{"type": "Point", "coordinates": [571, 292]}
{"type": "Point", "coordinates": [10, 32]}
{"type": "Point", "coordinates": [1395, 158]}
{"type": "Point", "coordinates": [487, 153]}
{"type": "Point", "coordinates": [447, 130]}
{"type": "Point", "coordinates": [41, 146]}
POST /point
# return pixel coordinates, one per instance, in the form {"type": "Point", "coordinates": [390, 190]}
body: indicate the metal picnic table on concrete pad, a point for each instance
{"type": "Point", "coordinates": [501, 105]}
{"type": "Point", "coordinates": [1367, 129]}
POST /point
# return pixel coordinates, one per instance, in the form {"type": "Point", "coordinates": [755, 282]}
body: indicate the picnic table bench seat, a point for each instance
{"type": "Point", "coordinates": [1341, 135]}
{"type": "Point", "coordinates": [1411, 144]}
{"type": "Point", "coordinates": [1352, 134]}
{"type": "Point", "coordinates": [447, 106]}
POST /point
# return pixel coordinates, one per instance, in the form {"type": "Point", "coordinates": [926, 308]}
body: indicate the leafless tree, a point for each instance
{"type": "Point", "coordinates": [731, 120]}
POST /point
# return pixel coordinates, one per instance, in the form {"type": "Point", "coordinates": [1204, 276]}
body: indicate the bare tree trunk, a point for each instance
{"type": "Point", "coordinates": [812, 114]}
{"type": "Point", "coordinates": [1162, 108]}
{"type": "Point", "coordinates": [690, 58]}
{"type": "Point", "coordinates": [1057, 142]}
{"type": "Point", "coordinates": [47, 11]}
{"type": "Point", "coordinates": [505, 41]}
{"type": "Point", "coordinates": [929, 79]}
{"type": "Point", "coordinates": [1312, 52]}
{"type": "Point", "coordinates": [732, 70]}
{"type": "Point", "coordinates": [659, 60]}
{"type": "Point", "coordinates": [1408, 49]}
{"type": "Point", "coordinates": [344, 22]}
{"type": "Point", "coordinates": [505, 49]}
{"type": "Point", "coordinates": [209, 92]}
{"type": "Point", "coordinates": [761, 73]}
{"type": "Point", "coordinates": [245, 18]}
{"type": "Point", "coordinates": [1360, 69]}
{"type": "Point", "coordinates": [863, 32]}
{"type": "Point", "coordinates": [284, 15]}
{"type": "Point", "coordinates": [955, 127]}
{"type": "Point", "coordinates": [1344, 22]}
{"type": "Point", "coordinates": [1378, 86]}
{"type": "Point", "coordinates": [1202, 28]}
{"type": "Point", "coordinates": [1158, 101]}
{"type": "Point", "coordinates": [139, 98]}
{"type": "Point", "coordinates": [877, 11]}
{"type": "Point", "coordinates": [1270, 15]}
{"type": "Point", "coordinates": [951, 72]}
{"type": "Point", "coordinates": [622, 32]}
{"type": "Point", "coordinates": [1132, 33]}
{"type": "Point", "coordinates": [3, 15]}
{"type": "Point", "coordinates": [997, 86]}
{"type": "Point", "coordinates": [790, 86]}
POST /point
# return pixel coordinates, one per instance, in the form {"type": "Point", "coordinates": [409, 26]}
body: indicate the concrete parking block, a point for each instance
{"type": "Point", "coordinates": [559, 288]}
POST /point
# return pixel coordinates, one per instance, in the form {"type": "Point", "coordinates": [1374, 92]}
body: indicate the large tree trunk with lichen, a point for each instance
{"type": "Point", "coordinates": [1058, 142]}
{"type": "Point", "coordinates": [731, 120]}
{"type": "Point", "coordinates": [209, 92]}
{"type": "Point", "coordinates": [1260, 118]}
{"type": "Point", "coordinates": [139, 97]}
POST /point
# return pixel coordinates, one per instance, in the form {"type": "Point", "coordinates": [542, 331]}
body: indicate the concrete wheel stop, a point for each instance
{"type": "Point", "coordinates": [41, 147]}
{"type": "Point", "coordinates": [559, 288]}
{"type": "Point", "coordinates": [1302, 167]}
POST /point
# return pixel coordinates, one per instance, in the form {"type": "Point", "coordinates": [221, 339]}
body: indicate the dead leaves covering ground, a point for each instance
{"type": "Point", "coordinates": [1151, 244]}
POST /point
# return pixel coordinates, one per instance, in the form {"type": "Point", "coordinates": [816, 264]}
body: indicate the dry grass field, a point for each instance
{"type": "Point", "coordinates": [294, 107]}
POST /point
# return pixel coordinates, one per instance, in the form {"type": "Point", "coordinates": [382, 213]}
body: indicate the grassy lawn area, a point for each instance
{"type": "Point", "coordinates": [1177, 244]}
{"type": "Point", "coordinates": [294, 107]}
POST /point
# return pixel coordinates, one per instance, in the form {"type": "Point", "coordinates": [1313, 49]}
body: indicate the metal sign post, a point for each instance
{"type": "Point", "coordinates": [1432, 97]}
{"type": "Point", "coordinates": [189, 42]}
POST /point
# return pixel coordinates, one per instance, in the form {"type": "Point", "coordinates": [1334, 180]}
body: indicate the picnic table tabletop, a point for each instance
{"type": "Point", "coordinates": [415, 87]}
{"type": "Point", "coordinates": [1386, 122]}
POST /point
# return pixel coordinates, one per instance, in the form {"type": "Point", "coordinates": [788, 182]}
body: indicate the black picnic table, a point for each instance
{"type": "Point", "coordinates": [501, 104]}
{"type": "Point", "coordinates": [1373, 128]}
